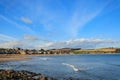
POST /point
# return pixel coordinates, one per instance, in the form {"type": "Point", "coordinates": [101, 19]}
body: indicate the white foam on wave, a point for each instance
{"type": "Point", "coordinates": [45, 59]}
{"type": "Point", "coordinates": [24, 61]}
{"type": "Point", "coordinates": [72, 66]}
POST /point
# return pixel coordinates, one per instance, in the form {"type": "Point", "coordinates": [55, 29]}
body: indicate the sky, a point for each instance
{"type": "Point", "coordinates": [49, 24]}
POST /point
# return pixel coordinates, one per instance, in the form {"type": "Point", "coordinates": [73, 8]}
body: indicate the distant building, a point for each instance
{"type": "Point", "coordinates": [61, 51]}
{"type": "Point", "coordinates": [22, 52]}
{"type": "Point", "coordinates": [17, 49]}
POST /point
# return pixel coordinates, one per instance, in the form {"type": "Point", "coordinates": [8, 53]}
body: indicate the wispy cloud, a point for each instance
{"type": "Point", "coordinates": [35, 43]}
{"type": "Point", "coordinates": [81, 43]}
{"type": "Point", "coordinates": [8, 41]}
{"type": "Point", "coordinates": [67, 19]}
{"type": "Point", "coordinates": [12, 44]}
{"type": "Point", "coordinates": [34, 38]}
{"type": "Point", "coordinates": [26, 20]}
{"type": "Point", "coordinates": [69, 23]}
{"type": "Point", "coordinates": [22, 27]}
{"type": "Point", "coordinates": [82, 15]}
{"type": "Point", "coordinates": [28, 41]}
{"type": "Point", "coordinates": [6, 37]}
{"type": "Point", "coordinates": [29, 37]}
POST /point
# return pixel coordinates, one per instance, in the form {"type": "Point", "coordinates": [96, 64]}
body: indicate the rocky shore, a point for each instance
{"type": "Point", "coordinates": [22, 75]}
{"type": "Point", "coordinates": [26, 75]}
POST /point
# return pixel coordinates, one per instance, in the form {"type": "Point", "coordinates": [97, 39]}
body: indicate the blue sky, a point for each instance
{"type": "Point", "coordinates": [59, 23]}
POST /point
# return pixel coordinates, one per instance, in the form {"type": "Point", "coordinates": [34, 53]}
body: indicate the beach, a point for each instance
{"type": "Point", "coordinates": [11, 57]}
{"type": "Point", "coordinates": [11, 74]}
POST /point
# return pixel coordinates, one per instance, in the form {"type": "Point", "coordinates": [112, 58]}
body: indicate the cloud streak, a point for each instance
{"type": "Point", "coordinates": [81, 43]}
{"type": "Point", "coordinates": [34, 38]}
{"type": "Point", "coordinates": [29, 37]}
{"type": "Point", "coordinates": [82, 15]}
{"type": "Point", "coordinates": [21, 27]}
{"type": "Point", "coordinates": [33, 42]}
{"type": "Point", "coordinates": [26, 20]}
{"type": "Point", "coordinates": [28, 41]}
{"type": "Point", "coordinates": [67, 19]}
{"type": "Point", "coordinates": [6, 38]}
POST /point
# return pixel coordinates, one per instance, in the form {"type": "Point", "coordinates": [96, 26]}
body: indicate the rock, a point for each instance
{"type": "Point", "coordinates": [21, 75]}
{"type": "Point", "coordinates": [43, 78]}
{"type": "Point", "coordinates": [25, 75]}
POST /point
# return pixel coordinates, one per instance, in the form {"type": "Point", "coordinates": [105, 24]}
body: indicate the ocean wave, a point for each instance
{"type": "Point", "coordinates": [118, 65]}
{"type": "Point", "coordinates": [45, 59]}
{"type": "Point", "coordinates": [24, 61]}
{"type": "Point", "coordinates": [72, 66]}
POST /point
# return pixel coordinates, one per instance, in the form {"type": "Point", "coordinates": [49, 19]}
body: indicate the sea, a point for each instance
{"type": "Point", "coordinates": [79, 66]}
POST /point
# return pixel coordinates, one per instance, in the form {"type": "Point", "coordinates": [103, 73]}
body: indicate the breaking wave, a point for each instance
{"type": "Point", "coordinates": [45, 59]}
{"type": "Point", "coordinates": [72, 66]}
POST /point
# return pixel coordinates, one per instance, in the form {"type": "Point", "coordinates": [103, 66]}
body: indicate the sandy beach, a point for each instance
{"type": "Point", "coordinates": [10, 57]}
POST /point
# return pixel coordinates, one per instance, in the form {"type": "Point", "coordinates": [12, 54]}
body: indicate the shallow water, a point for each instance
{"type": "Point", "coordinates": [83, 67]}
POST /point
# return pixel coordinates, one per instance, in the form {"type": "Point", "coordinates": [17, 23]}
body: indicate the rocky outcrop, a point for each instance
{"type": "Point", "coordinates": [26, 75]}
{"type": "Point", "coordinates": [22, 75]}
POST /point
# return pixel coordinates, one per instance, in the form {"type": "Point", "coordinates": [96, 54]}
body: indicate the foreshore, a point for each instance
{"type": "Point", "coordinates": [26, 75]}
{"type": "Point", "coordinates": [22, 75]}
{"type": "Point", "coordinates": [6, 74]}
{"type": "Point", "coordinates": [12, 57]}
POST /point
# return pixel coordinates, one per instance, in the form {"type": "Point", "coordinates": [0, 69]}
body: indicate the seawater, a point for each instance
{"type": "Point", "coordinates": [83, 66]}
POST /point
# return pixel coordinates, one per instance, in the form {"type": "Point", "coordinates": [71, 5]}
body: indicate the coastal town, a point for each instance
{"type": "Point", "coordinates": [34, 51]}
{"type": "Point", "coordinates": [58, 51]}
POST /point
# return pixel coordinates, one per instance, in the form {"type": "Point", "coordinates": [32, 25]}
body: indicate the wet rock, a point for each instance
{"type": "Point", "coordinates": [21, 75]}
{"type": "Point", "coordinates": [43, 78]}
{"type": "Point", "coordinates": [26, 75]}
{"type": "Point", "coordinates": [71, 78]}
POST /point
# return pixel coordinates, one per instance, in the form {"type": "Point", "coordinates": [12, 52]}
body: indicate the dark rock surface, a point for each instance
{"type": "Point", "coordinates": [26, 75]}
{"type": "Point", "coordinates": [22, 75]}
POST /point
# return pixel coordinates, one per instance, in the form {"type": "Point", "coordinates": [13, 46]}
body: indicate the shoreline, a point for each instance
{"type": "Point", "coordinates": [12, 57]}
{"type": "Point", "coordinates": [27, 75]}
